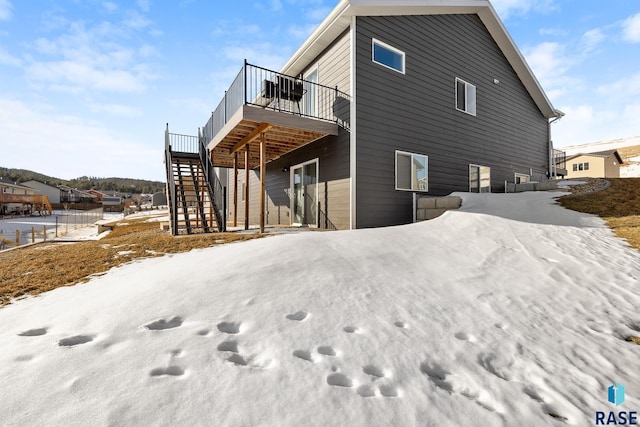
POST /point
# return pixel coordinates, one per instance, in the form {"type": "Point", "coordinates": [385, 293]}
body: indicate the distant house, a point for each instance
{"type": "Point", "coordinates": [99, 195]}
{"type": "Point", "coordinates": [12, 197]}
{"type": "Point", "coordinates": [603, 164]}
{"type": "Point", "coordinates": [52, 192]}
{"type": "Point", "coordinates": [73, 195]}
{"type": "Point", "coordinates": [386, 99]}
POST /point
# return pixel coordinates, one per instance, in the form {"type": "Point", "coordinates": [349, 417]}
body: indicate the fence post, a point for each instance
{"type": "Point", "coordinates": [44, 231]}
{"type": "Point", "coordinates": [17, 237]}
{"type": "Point", "coordinates": [33, 234]}
{"type": "Point", "coordinates": [56, 225]}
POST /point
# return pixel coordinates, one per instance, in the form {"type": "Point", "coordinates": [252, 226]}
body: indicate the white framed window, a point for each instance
{"type": "Point", "coordinates": [465, 97]}
{"type": "Point", "coordinates": [387, 56]}
{"type": "Point", "coordinates": [521, 178]}
{"type": "Point", "coordinates": [479, 179]}
{"type": "Point", "coordinates": [412, 171]}
{"type": "Point", "coordinates": [581, 166]}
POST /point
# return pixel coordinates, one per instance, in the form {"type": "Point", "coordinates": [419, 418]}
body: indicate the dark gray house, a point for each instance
{"type": "Point", "coordinates": [385, 99]}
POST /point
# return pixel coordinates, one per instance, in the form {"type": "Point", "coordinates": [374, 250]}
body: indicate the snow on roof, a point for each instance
{"type": "Point", "coordinates": [601, 145]}
{"type": "Point", "coordinates": [509, 311]}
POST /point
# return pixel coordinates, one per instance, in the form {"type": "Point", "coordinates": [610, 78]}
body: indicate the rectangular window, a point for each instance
{"type": "Point", "coordinates": [412, 171]}
{"type": "Point", "coordinates": [479, 179]}
{"type": "Point", "coordinates": [586, 166]}
{"type": "Point", "coordinates": [581, 166]}
{"type": "Point", "coordinates": [465, 97]}
{"type": "Point", "coordinates": [521, 178]}
{"type": "Point", "coordinates": [575, 167]}
{"type": "Point", "coordinates": [385, 55]}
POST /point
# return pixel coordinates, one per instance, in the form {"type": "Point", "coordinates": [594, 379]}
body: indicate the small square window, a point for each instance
{"type": "Point", "coordinates": [411, 171]}
{"type": "Point", "coordinates": [387, 56]}
{"type": "Point", "coordinates": [465, 97]}
{"type": "Point", "coordinates": [586, 166]}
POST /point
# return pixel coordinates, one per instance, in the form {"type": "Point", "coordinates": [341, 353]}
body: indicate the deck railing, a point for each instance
{"type": "Point", "coordinates": [279, 92]}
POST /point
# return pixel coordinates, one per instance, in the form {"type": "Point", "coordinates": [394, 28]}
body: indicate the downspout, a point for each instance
{"type": "Point", "coordinates": [552, 163]}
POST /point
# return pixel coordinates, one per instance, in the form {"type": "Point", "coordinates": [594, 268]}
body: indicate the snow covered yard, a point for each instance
{"type": "Point", "coordinates": [510, 311]}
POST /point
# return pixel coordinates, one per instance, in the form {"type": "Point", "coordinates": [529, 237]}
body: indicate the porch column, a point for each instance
{"type": "Point", "coordinates": [246, 187]}
{"type": "Point", "coordinates": [235, 189]}
{"type": "Point", "coordinates": [263, 170]}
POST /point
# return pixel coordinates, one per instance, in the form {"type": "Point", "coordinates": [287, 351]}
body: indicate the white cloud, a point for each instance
{"type": "Point", "coordinates": [144, 5]}
{"type": "Point", "coordinates": [7, 59]}
{"type": "Point", "coordinates": [115, 109]}
{"type": "Point", "coordinates": [622, 89]}
{"type": "Point", "coordinates": [317, 14]}
{"type": "Point", "coordinates": [276, 5]}
{"type": "Point", "coordinates": [591, 40]}
{"type": "Point", "coordinates": [5, 10]}
{"type": "Point", "coordinates": [80, 148]}
{"type": "Point", "coordinates": [631, 28]}
{"type": "Point", "coordinates": [550, 63]}
{"type": "Point", "coordinates": [109, 7]}
{"type": "Point", "coordinates": [508, 8]}
{"type": "Point", "coordinates": [301, 31]}
{"type": "Point", "coordinates": [89, 58]}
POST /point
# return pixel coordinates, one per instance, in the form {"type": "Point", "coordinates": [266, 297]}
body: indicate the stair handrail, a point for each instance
{"type": "Point", "coordinates": [216, 189]}
{"type": "Point", "coordinates": [171, 185]}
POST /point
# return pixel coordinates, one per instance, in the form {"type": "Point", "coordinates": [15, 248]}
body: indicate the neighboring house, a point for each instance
{"type": "Point", "coordinates": [99, 195]}
{"type": "Point", "coordinates": [12, 197]}
{"type": "Point", "coordinates": [52, 193]}
{"type": "Point", "coordinates": [385, 99]}
{"type": "Point", "coordinates": [603, 164]}
{"type": "Point", "coordinates": [73, 195]}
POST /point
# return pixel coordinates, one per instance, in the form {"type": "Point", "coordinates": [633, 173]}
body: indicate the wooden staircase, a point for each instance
{"type": "Point", "coordinates": [190, 194]}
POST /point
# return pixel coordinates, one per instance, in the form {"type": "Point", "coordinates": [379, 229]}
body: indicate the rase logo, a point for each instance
{"type": "Point", "coordinates": [615, 395]}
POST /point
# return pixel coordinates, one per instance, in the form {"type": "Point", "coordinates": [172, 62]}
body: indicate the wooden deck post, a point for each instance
{"type": "Point", "coordinates": [263, 171]}
{"type": "Point", "coordinates": [235, 189]}
{"type": "Point", "coordinates": [246, 187]}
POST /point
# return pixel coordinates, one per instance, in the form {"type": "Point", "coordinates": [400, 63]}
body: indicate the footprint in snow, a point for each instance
{"type": "Point", "coordinates": [401, 324]}
{"type": "Point", "coordinates": [463, 336]}
{"type": "Point", "coordinates": [327, 350]}
{"type": "Point", "coordinates": [163, 324]}
{"type": "Point", "coordinates": [351, 329]}
{"type": "Point", "coordinates": [33, 332]}
{"type": "Point", "coordinates": [76, 340]}
{"type": "Point", "coordinates": [298, 316]}
{"type": "Point", "coordinates": [172, 371]}
{"type": "Point", "coordinates": [374, 371]}
{"type": "Point", "coordinates": [231, 328]}
{"type": "Point", "coordinates": [304, 355]}
{"type": "Point", "coordinates": [338, 379]}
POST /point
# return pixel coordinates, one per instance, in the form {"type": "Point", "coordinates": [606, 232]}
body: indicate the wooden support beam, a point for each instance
{"type": "Point", "coordinates": [235, 189]}
{"type": "Point", "coordinates": [246, 187]}
{"type": "Point", "coordinates": [249, 138]}
{"type": "Point", "coordinates": [263, 171]}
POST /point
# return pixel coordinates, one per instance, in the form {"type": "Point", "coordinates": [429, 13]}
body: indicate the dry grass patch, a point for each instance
{"type": "Point", "coordinates": [618, 205]}
{"type": "Point", "coordinates": [41, 268]}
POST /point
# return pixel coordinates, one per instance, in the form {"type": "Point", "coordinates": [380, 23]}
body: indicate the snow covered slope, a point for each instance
{"type": "Point", "coordinates": [509, 312]}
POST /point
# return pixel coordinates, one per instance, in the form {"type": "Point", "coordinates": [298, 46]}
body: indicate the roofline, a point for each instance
{"type": "Point", "coordinates": [598, 154]}
{"type": "Point", "coordinates": [339, 19]}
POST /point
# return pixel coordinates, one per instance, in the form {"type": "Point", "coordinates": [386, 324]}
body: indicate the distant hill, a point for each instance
{"type": "Point", "coordinates": [123, 185]}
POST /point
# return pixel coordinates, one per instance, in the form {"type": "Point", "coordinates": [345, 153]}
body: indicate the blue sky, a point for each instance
{"type": "Point", "coordinates": [86, 86]}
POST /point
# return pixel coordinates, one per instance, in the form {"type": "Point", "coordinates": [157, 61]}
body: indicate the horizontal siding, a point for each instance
{"type": "Point", "coordinates": [333, 64]}
{"type": "Point", "coordinates": [332, 153]}
{"type": "Point", "coordinates": [416, 112]}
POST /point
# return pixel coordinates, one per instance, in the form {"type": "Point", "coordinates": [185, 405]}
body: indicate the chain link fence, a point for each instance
{"type": "Point", "coordinates": [20, 231]}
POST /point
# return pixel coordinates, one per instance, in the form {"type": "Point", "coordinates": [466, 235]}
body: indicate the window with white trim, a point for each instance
{"type": "Point", "coordinates": [521, 178]}
{"type": "Point", "coordinates": [387, 56]}
{"type": "Point", "coordinates": [479, 179]}
{"type": "Point", "coordinates": [465, 97]}
{"type": "Point", "coordinates": [412, 171]}
{"type": "Point", "coordinates": [581, 166]}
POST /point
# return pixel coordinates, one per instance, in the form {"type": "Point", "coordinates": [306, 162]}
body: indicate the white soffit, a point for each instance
{"type": "Point", "coordinates": [340, 19]}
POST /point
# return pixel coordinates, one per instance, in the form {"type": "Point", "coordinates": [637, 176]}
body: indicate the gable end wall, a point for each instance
{"type": "Point", "coordinates": [416, 112]}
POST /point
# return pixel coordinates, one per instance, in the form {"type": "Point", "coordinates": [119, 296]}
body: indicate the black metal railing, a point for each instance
{"type": "Point", "coordinates": [269, 89]}
{"type": "Point", "coordinates": [183, 143]}
{"type": "Point", "coordinates": [217, 191]}
{"type": "Point", "coordinates": [171, 185]}
{"type": "Point", "coordinates": [560, 158]}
